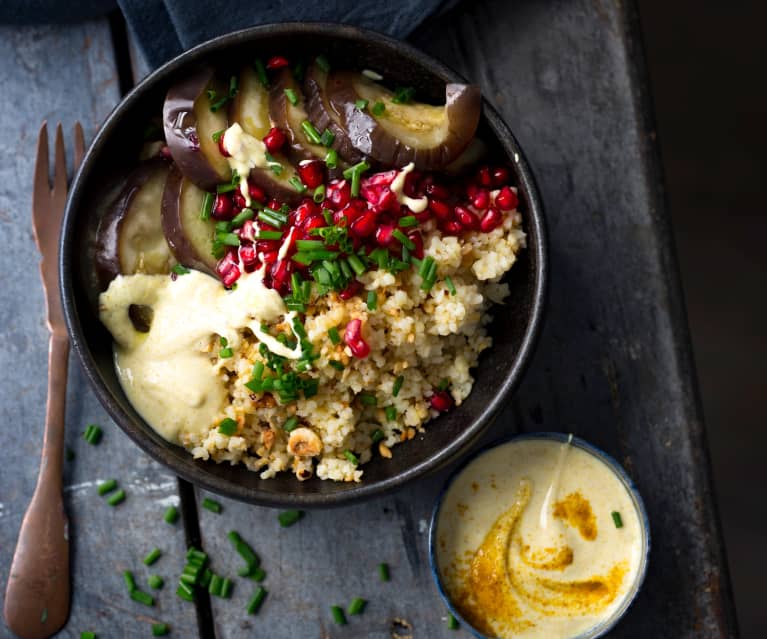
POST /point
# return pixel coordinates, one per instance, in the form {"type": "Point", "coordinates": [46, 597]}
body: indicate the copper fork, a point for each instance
{"type": "Point", "coordinates": [37, 595]}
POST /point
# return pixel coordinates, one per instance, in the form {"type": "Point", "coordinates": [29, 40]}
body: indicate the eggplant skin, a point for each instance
{"type": "Point", "coordinates": [181, 244]}
{"type": "Point", "coordinates": [107, 255]}
{"type": "Point", "coordinates": [322, 115]}
{"type": "Point", "coordinates": [432, 148]}
{"type": "Point", "coordinates": [184, 140]}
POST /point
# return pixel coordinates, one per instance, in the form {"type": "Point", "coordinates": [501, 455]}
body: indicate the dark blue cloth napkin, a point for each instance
{"type": "Point", "coordinates": [165, 28]}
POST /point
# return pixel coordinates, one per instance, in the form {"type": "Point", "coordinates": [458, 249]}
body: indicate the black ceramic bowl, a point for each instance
{"type": "Point", "coordinates": [112, 154]}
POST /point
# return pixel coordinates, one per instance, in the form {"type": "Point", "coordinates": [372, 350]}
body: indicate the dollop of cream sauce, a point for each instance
{"type": "Point", "coordinates": [246, 152]}
{"type": "Point", "coordinates": [526, 543]}
{"type": "Point", "coordinates": [417, 205]}
{"type": "Point", "coordinates": [168, 373]}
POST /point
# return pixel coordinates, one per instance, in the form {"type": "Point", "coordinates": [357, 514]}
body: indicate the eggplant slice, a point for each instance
{"type": "Point", "coordinates": [190, 124]}
{"type": "Point", "coordinates": [429, 136]}
{"type": "Point", "coordinates": [130, 237]}
{"type": "Point", "coordinates": [189, 237]}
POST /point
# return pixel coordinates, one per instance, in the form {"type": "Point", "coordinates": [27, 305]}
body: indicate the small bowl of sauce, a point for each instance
{"type": "Point", "coordinates": [541, 536]}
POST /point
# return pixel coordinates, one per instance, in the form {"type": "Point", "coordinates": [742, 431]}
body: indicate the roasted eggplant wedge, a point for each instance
{"type": "Point", "coordinates": [189, 237]}
{"type": "Point", "coordinates": [394, 132]}
{"type": "Point", "coordinates": [130, 237]}
{"type": "Point", "coordinates": [192, 113]}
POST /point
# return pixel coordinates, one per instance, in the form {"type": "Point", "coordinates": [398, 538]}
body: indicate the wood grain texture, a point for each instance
{"type": "Point", "coordinates": [67, 73]}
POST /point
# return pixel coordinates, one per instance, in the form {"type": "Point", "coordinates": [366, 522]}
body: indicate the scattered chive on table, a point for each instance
{"type": "Point", "coordinates": [613, 364]}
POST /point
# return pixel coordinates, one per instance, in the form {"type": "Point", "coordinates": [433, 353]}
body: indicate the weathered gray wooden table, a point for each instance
{"type": "Point", "coordinates": [613, 364]}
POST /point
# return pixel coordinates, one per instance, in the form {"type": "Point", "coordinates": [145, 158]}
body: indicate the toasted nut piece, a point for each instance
{"type": "Point", "coordinates": [267, 437]}
{"type": "Point", "coordinates": [304, 442]}
{"type": "Point", "coordinates": [384, 450]}
{"type": "Point", "coordinates": [410, 433]}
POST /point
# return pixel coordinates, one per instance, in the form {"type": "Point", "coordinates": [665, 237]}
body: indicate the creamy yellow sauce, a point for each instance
{"type": "Point", "coordinates": [168, 373]}
{"type": "Point", "coordinates": [246, 153]}
{"type": "Point", "coordinates": [417, 205]}
{"type": "Point", "coordinates": [526, 542]}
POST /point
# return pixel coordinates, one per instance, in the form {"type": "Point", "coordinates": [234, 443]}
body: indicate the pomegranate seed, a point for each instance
{"type": "Point", "coordinates": [354, 340]}
{"type": "Point", "coordinates": [411, 184]}
{"type": "Point", "coordinates": [238, 200]}
{"type": "Point", "coordinates": [388, 201]}
{"type": "Point", "coordinates": [451, 227]}
{"type": "Point", "coordinates": [500, 175]}
{"type": "Point", "coordinates": [274, 140]}
{"type": "Point", "coordinates": [506, 200]}
{"type": "Point", "coordinates": [305, 210]}
{"type": "Point", "coordinates": [312, 172]}
{"type": "Point", "coordinates": [256, 193]}
{"type": "Point", "coordinates": [231, 276]}
{"type": "Point", "coordinates": [481, 200]}
{"type": "Point", "coordinates": [269, 257]}
{"type": "Point", "coordinates": [468, 220]}
{"type": "Point", "coordinates": [417, 239]}
{"type": "Point", "coordinates": [248, 254]}
{"type": "Point", "coordinates": [165, 152]}
{"type": "Point", "coordinates": [383, 234]}
{"type": "Point", "coordinates": [484, 176]}
{"type": "Point", "coordinates": [277, 62]}
{"type": "Point", "coordinates": [440, 210]}
{"type": "Point", "coordinates": [267, 246]}
{"type": "Point", "coordinates": [313, 222]}
{"type": "Point", "coordinates": [365, 225]}
{"type": "Point", "coordinates": [437, 191]}
{"type": "Point", "coordinates": [221, 148]}
{"type": "Point", "coordinates": [223, 207]}
{"type": "Point", "coordinates": [280, 272]}
{"type": "Point", "coordinates": [490, 220]}
{"type": "Point", "coordinates": [275, 204]}
{"type": "Point", "coordinates": [228, 269]}
{"type": "Point", "coordinates": [338, 193]}
{"type": "Point", "coordinates": [441, 401]}
{"type": "Point", "coordinates": [351, 290]}
{"type": "Point", "coordinates": [471, 190]}
{"type": "Point", "coordinates": [248, 231]}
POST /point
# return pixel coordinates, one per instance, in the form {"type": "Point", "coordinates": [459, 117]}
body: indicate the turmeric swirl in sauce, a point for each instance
{"type": "Point", "coordinates": [513, 569]}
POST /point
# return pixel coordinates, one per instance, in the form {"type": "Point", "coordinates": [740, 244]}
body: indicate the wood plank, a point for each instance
{"type": "Point", "coordinates": [67, 73]}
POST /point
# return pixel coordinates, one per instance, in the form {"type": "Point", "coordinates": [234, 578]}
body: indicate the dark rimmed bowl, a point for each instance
{"type": "Point", "coordinates": [604, 626]}
{"type": "Point", "coordinates": [112, 153]}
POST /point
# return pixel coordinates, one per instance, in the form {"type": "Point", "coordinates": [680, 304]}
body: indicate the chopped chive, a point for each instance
{"type": "Point", "coordinates": [261, 72]}
{"type": "Point", "coordinates": [290, 94]}
{"type": "Point", "coordinates": [391, 413]}
{"type": "Point", "coordinates": [227, 426]}
{"type": "Point", "coordinates": [214, 588]}
{"type": "Point", "coordinates": [311, 133]}
{"type": "Point", "coordinates": [243, 549]}
{"type": "Point", "coordinates": [225, 352]}
{"type": "Point", "coordinates": [212, 505]}
{"type": "Point", "coordinates": [256, 574]}
{"type": "Point", "coordinates": [261, 234]}
{"type": "Point", "coordinates": [116, 498]}
{"type": "Point", "coordinates": [297, 184]}
{"type": "Point", "coordinates": [360, 167]}
{"type": "Point", "coordinates": [377, 435]}
{"type": "Point", "coordinates": [319, 194]}
{"type": "Point", "coordinates": [160, 629]}
{"type": "Point", "coordinates": [196, 557]}
{"type": "Point", "coordinates": [223, 341]}
{"type": "Point", "coordinates": [92, 434]}
{"type": "Point", "coordinates": [378, 108]}
{"type": "Point", "coordinates": [309, 245]}
{"type": "Point", "coordinates": [334, 336]}
{"type": "Point", "coordinates": [617, 519]}
{"type": "Point", "coordinates": [258, 370]}
{"type": "Point", "coordinates": [226, 188]}
{"type": "Point", "coordinates": [155, 581]}
{"type": "Point", "coordinates": [142, 597]}
{"type": "Point", "coordinates": [226, 588]}
{"type": "Point", "coordinates": [338, 615]}
{"type": "Point", "coordinates": [327, 138]}
{"type": "Point", "coordinates": [289, 517]}
{"type": "Point", "coordinates": [361, 104]}
{"type": "Point", "coordinates": [403, 95]}
{"type": "Point", "coordinates": [452, 622]}
{"type": "Point", "coordinates": [290, 424]}
{"type": "Point", "coordinates": [331, 159]}
{"type": "Point", "coordinates": [219, 103]}
{"type": "Point", "coordinates": [357, 606]}
{"type": "Point", "coordinates": [397, 385]}
{"type": "Point", "coordinates": [217, 135]}
{"type": "Point", "coordinates": [130, 580]}
{"type": "Point", "coordinates": [152, 557]}
{"type": "Point", "coordinates": [351, 457]}
{"type": "Point", "coordinates": [356, 263]}
{"type": "Point", "coordinates": [206, 577]}
{"type": "Point", "coordinates": [107, 486]}
{"type": "Point", "coordinates": [88, 635]}
{"type": "Point", "coordinates": [256, 600]}
{"type": "Point", "coordinates": [444, 384]}
{"type": "Point", "coordinates": [372, 301]}
{"type": "Point", "coordinates": [44, 615]}
{"type": "Point", "coordinates": [245, 215]}
{"type": "Point", "coordinates": [273, 164]}
{"type": "Point", "coordinates": [367, 399]}
{"type": "Point", "coordinates": [322, 63]}
{"type": "Point", "coordinates": [207, 206]}
{"type": "Point", "coordinates": [336, 364]}
{"type": "Point", "coordinates": [185, 591]}
{"type": "Point", "coordinates": [406, 221]}
{"type": "Point", "coordinates": [223, 226]}
{"type": "Point", "coordinates": [179, 269]}
{"type": "Point", "coordinates": [383, 571]}
{"type": "Point", "coordinates": [171, 515]}
{"type": "Point", "coordinates": [403, 239]}
{"type": "Point", "coordinates": [450, 286]}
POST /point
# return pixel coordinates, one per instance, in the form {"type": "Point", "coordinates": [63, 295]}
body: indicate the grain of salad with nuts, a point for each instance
{"type": "Point", "coordinates": [287, 293]}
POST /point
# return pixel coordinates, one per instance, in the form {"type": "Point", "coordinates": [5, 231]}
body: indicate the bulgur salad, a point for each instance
{"type": "Point", "coordinates": [298, 273]}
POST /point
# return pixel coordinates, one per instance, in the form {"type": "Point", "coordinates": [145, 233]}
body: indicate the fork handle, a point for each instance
{"type": "Point", "coordinates": [37, 595]}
